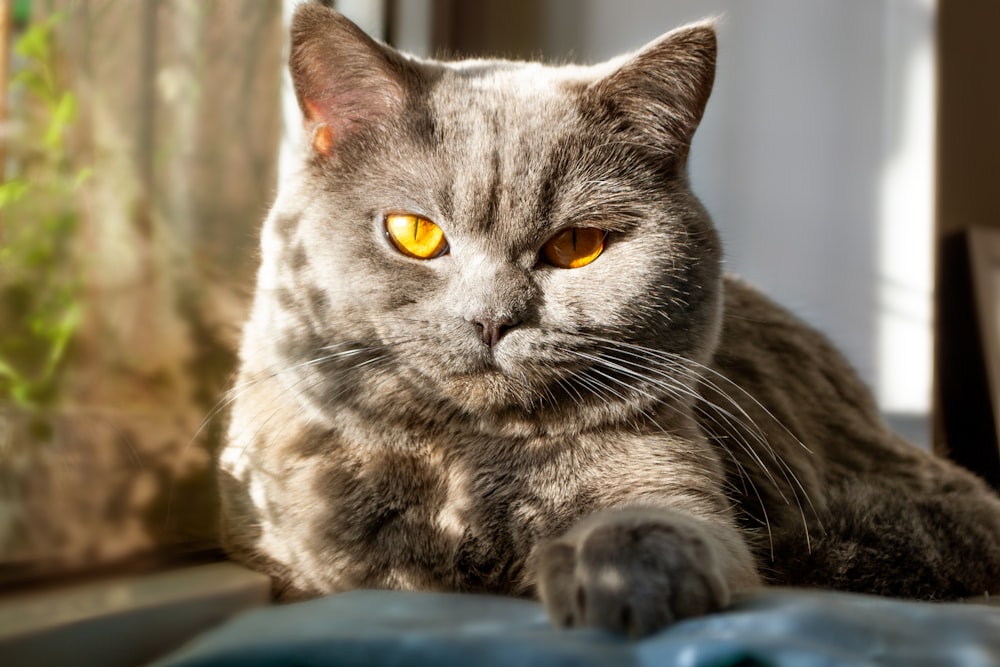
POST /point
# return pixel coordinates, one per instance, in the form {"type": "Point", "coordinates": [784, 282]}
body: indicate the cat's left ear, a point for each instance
{"type": "Point", "coordinates": [662, 90]}
{"type": "Point", "coordinates": [344, 80]}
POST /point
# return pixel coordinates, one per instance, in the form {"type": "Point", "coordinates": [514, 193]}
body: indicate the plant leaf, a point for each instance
{"type": "Point", "coordinates": [34, 43]}
{"type": "Point", "coordinates": [62, 116]}
{"type": "Point", "coordinates": [12, 191]}
{"type": "Point", "coordinates": [82, 177]}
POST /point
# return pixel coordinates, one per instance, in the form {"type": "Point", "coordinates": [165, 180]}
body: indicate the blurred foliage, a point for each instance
{"type": "Point", "coordinates": [40, 306]}
{"type": "Point", "coordinates": [121, 294]}
{"type": "Point", "coordinates": [22, 11]}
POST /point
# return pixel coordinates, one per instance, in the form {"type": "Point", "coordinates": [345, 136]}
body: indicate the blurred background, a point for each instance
{"type": "Point", "coordinates": [143, 141]}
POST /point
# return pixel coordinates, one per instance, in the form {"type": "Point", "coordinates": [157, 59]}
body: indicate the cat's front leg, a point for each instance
{"type": "Point", "coordinates": [637, 570]}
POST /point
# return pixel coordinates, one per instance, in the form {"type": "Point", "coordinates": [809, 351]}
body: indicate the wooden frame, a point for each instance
{"type": "Point", "coordinates": [968, 351]}
{"type": "Point", "coordinates": [983, 244]}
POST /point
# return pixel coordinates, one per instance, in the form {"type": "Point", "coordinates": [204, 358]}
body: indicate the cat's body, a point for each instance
{"type": "Point", "coordinates": [630, 437]}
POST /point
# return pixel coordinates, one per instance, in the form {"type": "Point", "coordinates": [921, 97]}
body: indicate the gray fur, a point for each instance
{"type": "Point", "coordinates": [644, 435]}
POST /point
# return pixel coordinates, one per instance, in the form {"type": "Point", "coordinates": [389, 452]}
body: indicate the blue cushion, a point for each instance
{"type": "Point", "coordinates": [770, 627]}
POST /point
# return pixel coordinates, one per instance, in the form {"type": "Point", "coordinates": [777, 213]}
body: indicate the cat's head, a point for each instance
{"type": "Point", "coordinates": [484, 237]}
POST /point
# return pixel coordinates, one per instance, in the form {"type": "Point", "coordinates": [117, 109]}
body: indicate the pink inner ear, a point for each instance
{"type": "Point", "coordinates": [316, 124]}
{"type": "Point", "coordinates": [313, 114]}
{"type": "Point", "coordinates": [323, 140]}
{"type": "Point", "coordinates": [331, 119]}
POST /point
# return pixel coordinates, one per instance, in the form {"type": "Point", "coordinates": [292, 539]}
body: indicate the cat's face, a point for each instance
{"type": "Point", "coordinates": [490, 235]}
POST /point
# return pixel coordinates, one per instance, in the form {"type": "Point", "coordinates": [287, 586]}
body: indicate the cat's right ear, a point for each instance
{"type": "Point", "coordinates": [344, 80]}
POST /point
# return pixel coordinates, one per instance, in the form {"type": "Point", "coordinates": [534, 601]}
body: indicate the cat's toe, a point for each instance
{"type": "Point", "coordinates": [629, 578]}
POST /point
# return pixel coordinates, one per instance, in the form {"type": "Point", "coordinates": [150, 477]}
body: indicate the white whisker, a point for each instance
{"type": "Point", "coordinates": [677, 377]}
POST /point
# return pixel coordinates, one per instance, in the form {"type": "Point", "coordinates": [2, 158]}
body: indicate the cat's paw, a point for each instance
{"type": "Point", "coordinates": [633, 571]}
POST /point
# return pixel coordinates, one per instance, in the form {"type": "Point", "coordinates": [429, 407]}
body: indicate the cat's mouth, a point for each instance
{"type": "Point", "coordinates": [514, 375]}
{"type": "Point", "coordinates": [488, 372]}
{"type": "Point", "coordinates": [487, 382]}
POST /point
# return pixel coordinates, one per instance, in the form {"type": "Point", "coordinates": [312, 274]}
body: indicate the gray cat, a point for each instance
{"type": "Point", "coordinates": [492, 350]}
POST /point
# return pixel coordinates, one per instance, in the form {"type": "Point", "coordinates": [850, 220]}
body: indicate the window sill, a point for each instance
{"type": "Point", "coordinates": [126, 620]}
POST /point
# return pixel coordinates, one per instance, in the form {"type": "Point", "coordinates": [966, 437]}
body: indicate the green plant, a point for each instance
{"type": "Point", "coordinates": [40, 305]}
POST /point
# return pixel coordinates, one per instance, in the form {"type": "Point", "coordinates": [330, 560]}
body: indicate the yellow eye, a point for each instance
{"type": "Point", "coordinates": [415, 236]}
{"type": "Point", "coordinates": [574, 247]}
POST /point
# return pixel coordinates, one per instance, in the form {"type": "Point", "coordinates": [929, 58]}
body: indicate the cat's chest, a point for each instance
{"type": "Point", "coordinates": [417, 518]}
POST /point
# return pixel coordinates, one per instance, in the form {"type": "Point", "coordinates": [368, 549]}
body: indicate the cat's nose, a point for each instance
{"type": "Point", "coordinates": [492, 329]}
